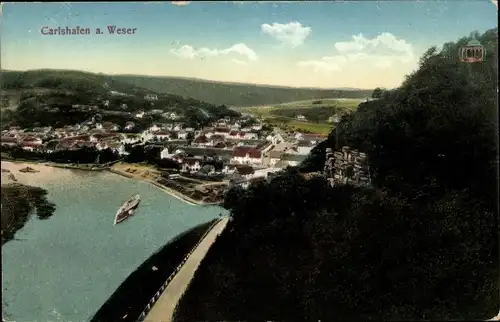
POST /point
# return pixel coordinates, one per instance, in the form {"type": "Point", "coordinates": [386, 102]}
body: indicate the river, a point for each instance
{"type": "Point", "coordinates": [66, 267]}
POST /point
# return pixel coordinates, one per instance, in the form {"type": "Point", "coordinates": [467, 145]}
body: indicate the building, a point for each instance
{"type": "Point", "coordinates": [247, 155]}
{"type": "Point", "coordinates": [151, 97]}
{"type": "Point", "coordinates": [292, 160]}
{"type": "Point", "coordinates": [129, 126]}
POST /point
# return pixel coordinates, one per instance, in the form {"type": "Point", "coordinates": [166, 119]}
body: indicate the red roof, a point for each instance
{"type": "Point", "coordinates": [104, 135]}
{"type": "Point", "coordinates": [200, 139]}
{"type": "Point", "coordinates": [77, 138]}
{"type": "Point", "coordinates": [233, 133]}
{"type": "Point", "coordinates": [162, 133]}
{"type": "Point", "coordinates": [222, 130]}
{"type": "Point", "coordinates": [30, 145]}
{"type": "Point", "coordinates": [241, 152]}
{"type": "Point", "coordinates": [220, 145]}
{"type": "Point", "coordinates": [217, 137]}
{"type": "Point", "coordinates": [8, 139]}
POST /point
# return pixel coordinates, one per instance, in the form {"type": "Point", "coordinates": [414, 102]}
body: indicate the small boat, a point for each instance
{"type": "Point", "coordinates": [28, 170]}
{"type": "Point", "coordinates": [127, 209]}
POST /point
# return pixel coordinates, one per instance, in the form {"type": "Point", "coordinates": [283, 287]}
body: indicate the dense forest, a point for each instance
{"type": "Point", "coordinates": [420, 244]}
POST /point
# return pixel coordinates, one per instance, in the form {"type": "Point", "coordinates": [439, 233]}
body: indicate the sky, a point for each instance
{"type": "Point", "coordinates": [355, 44]}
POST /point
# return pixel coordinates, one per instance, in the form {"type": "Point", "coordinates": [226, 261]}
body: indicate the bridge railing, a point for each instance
{"type": "Point", "coordinates": [157, 295]}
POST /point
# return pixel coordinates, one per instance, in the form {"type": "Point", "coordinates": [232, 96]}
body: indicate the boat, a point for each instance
{"type": "Point", "coordinates": [127, 209]}
{"type": "Point", "coordinates": [28, 170]}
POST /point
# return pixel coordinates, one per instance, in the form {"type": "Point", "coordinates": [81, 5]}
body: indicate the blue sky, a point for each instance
{"type": "Point", "coordinates": [315, 44]}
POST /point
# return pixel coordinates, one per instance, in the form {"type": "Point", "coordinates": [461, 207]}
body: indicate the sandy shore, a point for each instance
{"type": "Point", "coordinates": [149, 175]}
{"type": "Point", "coordinates": [47, 173]}
{"type": "Point", "coordinates": [44, 174]}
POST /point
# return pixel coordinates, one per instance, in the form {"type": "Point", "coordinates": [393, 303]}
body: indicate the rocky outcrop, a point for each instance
{"type": "Point", "coordinates": [346, 166]}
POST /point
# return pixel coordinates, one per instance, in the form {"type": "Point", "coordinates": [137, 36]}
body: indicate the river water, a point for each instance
{"type": "Point", "coordinates": [66, 267]}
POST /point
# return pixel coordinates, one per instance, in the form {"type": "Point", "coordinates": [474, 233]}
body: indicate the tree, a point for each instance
{"type": "Point", "coordinates": [421, 244]}
{"type": "Point", "coordinates": [377, 92]}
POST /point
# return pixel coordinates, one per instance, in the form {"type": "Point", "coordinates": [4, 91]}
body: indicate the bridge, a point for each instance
{"type": "Point", "coordinates": [163, 304]}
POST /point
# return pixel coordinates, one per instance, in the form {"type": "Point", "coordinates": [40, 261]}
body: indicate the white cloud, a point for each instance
{"type": "Point", "coordinates": [181, 3]}
{"type": "Point", "coordinates": [189, 52]}
{"type": "Point", "coordinates": [239, 62]}
{"type": "Point", "coordinates": [379, 52]}
{"type": "Point", "coordinates": [292, 33]}
{"type": "Point", "coordinates": [333, 63]}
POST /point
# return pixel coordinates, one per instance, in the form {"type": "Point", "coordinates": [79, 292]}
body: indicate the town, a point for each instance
{"type": "Point", "coordinates": [245, 148]}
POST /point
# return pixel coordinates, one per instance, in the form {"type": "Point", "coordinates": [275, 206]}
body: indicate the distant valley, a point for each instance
{"type": "Point", "coordinates": [218, 93]}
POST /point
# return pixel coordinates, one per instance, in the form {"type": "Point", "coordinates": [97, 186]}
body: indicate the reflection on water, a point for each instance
{"type": "Point", "coordinates": [18, 202]}
{"type": "Point", "coordinates": [65, 268]}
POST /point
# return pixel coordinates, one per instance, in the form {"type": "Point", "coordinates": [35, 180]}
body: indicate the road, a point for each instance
{"type": "Point", "coordinates": [163, 309]}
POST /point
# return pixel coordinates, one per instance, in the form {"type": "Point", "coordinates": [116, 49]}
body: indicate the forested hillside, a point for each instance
{"type": "Point", "coordinates": [421, 244]}
{"type": "Point", "coordinates": [37, 93]}
{"type": "Point", "coordinates": [234, 94]}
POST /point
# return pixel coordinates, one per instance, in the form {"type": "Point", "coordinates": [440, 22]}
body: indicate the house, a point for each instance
{"type": "Point", "coordinates": [224, 131]}
{"type": "Point", "coordinates": [140, 115]}
{"type": "Point", "coordinates": [101, 145]}
{"type": "Point", "coordinates": [100, 136]}
{"type": "Point", "coordinates": [165, 154]}
{"type": "Point", "coordinates": [191, 164]}
{"type": "Point", "coordinates": [156, 112]}
{"type": "Point", "coordinates": [121, 150]}
{"type": "Point", "coordinates": [244, 171]}
{"type": "Point", "coordinates": [9, 141]}
{"type": "Point", "coordinates": [173, 116]}
{"type": "Point", "coordinates": [130, 139]}
{"type": "Point", "coordinates": [112, 127]}
{"type": "Point", "coordinates": [214, 139]}
{"type": "Point", "coordinates": [274, 157]}
{"type": "Point", "coordinates": [162, 135]}
{"type": "Point", "coordinates": [264, 173]}
{"type": "Point", "coordinates": [201, 140]}
{"type": "Point", "coordinates": [32, 140]}
{"type": "Point", "coordinates": [291, 160]}
{"type": "Point", "coordinates": [220, 145]}
{"type": "Point", "coordinates": [129, 126]}
{"type": "Point", "coordinates": [28, 146]}
{"type": "Point", "coordinates": [124, 106]}
{"type": "Point", "coordinates": [241, 135]}
{"type": "Point", "coordinates": [301, 118]}
{"type": "Point", "coordinates": [275, 138]}
{"type": "Point", "coordinates": [154, 128]}
{"type": "Point", "coordinates": [247, 155]}
{"type": "Point", "coordinates": [151, 97]}
{"type": "Point", "coordinates": [257, 127]}
{"type": "Point", "coordinates": [304, 147]}
{"type": "Point", "coordinates": [238, 181]}
{"type": "Point", "coordinates": [182, 135]}
{"type": "Point", "coordinates": [224, 155]}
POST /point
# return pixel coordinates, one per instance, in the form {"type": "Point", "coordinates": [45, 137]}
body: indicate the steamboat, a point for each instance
{"type": "Point", "coordinates": [127, 209]}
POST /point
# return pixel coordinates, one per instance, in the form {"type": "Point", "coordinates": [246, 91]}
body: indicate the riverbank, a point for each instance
{"type": "Point", "coordinates": [178, 188]}
{"type": "Point", "coordinates": [132, 296]}
{"type": "Point", "coordinates": [152, 176]}
{"type": "Point", "coordinates": [18, 202]}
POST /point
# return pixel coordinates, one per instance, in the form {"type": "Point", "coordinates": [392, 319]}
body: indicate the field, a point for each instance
{"type": "Point", "coordinates": [316, 112]}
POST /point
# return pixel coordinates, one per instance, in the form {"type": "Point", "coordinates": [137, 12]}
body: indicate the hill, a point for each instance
{"type": "Point", "coordinates": [217, 93]}
{"type": "Point", "coordinates": [421, 243]}
{"type": "Point", "coordinates": [46, 97]}
{"type": "Point", "coordinates": [236, 94]}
